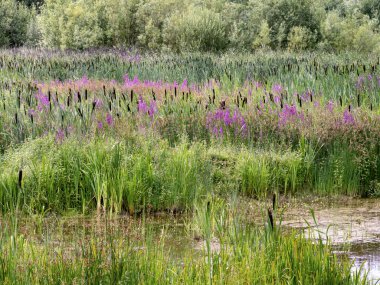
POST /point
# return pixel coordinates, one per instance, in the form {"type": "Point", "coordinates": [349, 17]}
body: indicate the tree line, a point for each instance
{"type": "Point", "coordinates": [193, 25]}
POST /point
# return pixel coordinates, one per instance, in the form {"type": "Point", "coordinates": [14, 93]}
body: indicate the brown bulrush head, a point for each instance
{"type": "Point", "coordinates": [271, 221]}
{"type": "Point", "coordinates": [274, 202]}
{"type": "Point", "coordinates": [223, 105]}
{"type": "Point", "coordinates": [20, 178]}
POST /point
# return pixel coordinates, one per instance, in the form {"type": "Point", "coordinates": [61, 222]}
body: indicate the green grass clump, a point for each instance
{"type": "Point", "coordinates": [104, 175]}
{"type": "Point", "coordinates": [262, 172]}
{"type": "Point", "coordinates": [136, 175]}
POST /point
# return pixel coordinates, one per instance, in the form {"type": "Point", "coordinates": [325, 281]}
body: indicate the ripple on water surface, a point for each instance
{"type": "Point", "coordinates": [351, 225]}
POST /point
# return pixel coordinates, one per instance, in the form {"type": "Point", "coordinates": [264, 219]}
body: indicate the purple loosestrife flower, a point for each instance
{"type": "Point", "coordinates": [215, 131]}
{"type": "Point", "coordinates": [359, 83]}
{"type": "Point", "coordinates": [227, 118]}
{"type": "Point", "coordinates": [100, 125]}
{"type": "Point", "coordinates": [142, 107]}
{"type": "Point", "coordinates": [348, 118]}
{"type": "Point", "coordinates": [277, 88]}
{"type": "Point", "coordinates": [130, 83]}
{"type": "Point", "coordinates": [184, 85]}
{"type": "Point", "coordinates": [126, 79]}
{"type": "Point", "coordinates": [257, 84]}
{"type": "Point", "coordinates": [218, 115]}
{"type": "Point", "coordinates": [83, 81]}
{"type": "Point", "coordinates": [60, 136]}
{"type": "Point", "coordinates": [98, 103]}
{"type": "Point", "coordinates": [109, 119]}
{"type": "Point", "coordinates": [136, 58]}
{"type": "Point", "coordinates": [152, 109]}
{"type": "Point", "coordinates": [221, 122]}
{"type": "Point", "coordinates": [288, 114]}
{"type": "Point", "coordinates": [243, 128]}
{"type": "Point", "coordinates": [42, 98]}
{"type": "Point", "coordinates": [236, 116]}
{"type": "Point", "coordinates": [330, 106]}
{"type": "Point", "coordinates": [136, 80]}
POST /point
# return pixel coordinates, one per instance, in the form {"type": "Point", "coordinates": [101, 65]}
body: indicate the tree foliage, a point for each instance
{"type": "Point", "coordinates": [196, 29]}
{"type": "Point", "coordinates": [14, 19]}
{"type": "Point", "coordinates": [193, 25]}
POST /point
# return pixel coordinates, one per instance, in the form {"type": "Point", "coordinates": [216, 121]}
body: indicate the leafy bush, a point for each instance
{"type": "Point", "coordinates": [150, 20]}
{"type": "Point", "coordinates": [14, 20]}
{"type": "Point", "coordinates": [68, 24]}
{"type": "Point", "coordinates": [263, 40]}
{"type": "Point", "coordinates": [84, 24]}
{"type": "Point", "coordinates": [283, 15]}
{"type": "Point", "coordinates": [355, 32]}
{"type": "Point", "coordinates": [197, 29]}
{"type": "Point", "coordinates": [371, 8]}
{"type": "Point", "coordinates": [299, 38]}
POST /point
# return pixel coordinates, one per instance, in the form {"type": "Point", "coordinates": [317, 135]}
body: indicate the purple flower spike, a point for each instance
{"type": "Point", "coordinates": [288, 114]}
{"type": "Point", "coordinates": [184, 85]}
{"type": "Point", "coordinates": [330, 106]}
{"type": "Point", "coordinates": [152, 109]}
{"type": "Point", "coordinates": [60, 136]}
{"type": "Point", "coordinates": [142, 107]}
{"type": "Point", "coordinates": [277, 88]}
{"type": "Point", "coordinates": [109, 119]}
{"type": "Point", "coordinates": [227, 118]}
{"type": "Point", "coordinates": [42, 98]}
{"type": "Point", "coordinates": [348, 118]}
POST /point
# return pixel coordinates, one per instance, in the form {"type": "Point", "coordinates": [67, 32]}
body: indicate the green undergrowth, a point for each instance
{"type": "Point", "coordinates": [148, 174]}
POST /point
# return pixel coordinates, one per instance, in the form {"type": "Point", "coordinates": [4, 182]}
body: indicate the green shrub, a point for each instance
{"type": "Point", "coordinates": [299, 38]}
{"type": "Point", "coordinates": [283, 15]}
{"type": "Point", "coordinates": [150, 19]}
{"type": "Point", "coordinates": [263, 40]}
{"type": "Point", "coordinates": [197, 29]}
{"type": "Point", "coordinates": [355, 32]}
{"type": "Point", "coordinates": [14, 20]}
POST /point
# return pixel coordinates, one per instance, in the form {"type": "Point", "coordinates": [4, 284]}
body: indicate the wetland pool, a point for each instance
{"type": "Point", "coordinates": [352, 227]}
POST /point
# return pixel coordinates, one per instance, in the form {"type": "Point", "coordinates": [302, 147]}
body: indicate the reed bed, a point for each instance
{"type": "Point", "coordinates": [99, 136]}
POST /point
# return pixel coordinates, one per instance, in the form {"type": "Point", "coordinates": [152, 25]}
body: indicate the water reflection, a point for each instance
{"type": "Point", "coordinates": [352, 226]}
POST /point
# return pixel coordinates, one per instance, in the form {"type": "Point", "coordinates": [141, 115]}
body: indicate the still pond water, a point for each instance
{"type": "Point", "coordinates": [351, 225]}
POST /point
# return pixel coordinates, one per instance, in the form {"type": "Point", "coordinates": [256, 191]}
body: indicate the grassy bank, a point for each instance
{"type": "Point", "coordinates": [148, 174]}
